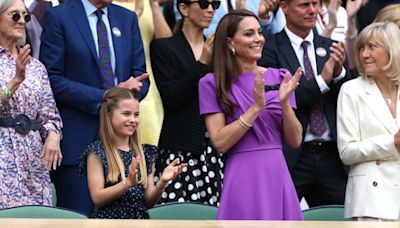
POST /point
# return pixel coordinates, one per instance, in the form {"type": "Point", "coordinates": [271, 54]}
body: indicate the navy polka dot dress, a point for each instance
{"type": "Point", "coordinates": [131, 204]}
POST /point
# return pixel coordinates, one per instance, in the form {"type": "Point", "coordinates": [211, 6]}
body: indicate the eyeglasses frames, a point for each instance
{"type": "Point", "coordinates": [15, 16]}
{"type": "Point", "coordinates": [205, 3]}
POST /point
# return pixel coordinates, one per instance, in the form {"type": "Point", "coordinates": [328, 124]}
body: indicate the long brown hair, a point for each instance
{"type": "Point", "coordinates": [116, 166]}
{"type": "Point", "coordinates": [223, 61]}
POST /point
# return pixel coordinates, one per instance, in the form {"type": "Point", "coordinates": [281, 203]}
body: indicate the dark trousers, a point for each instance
{"type": "Point", "coordinates": [72, 190]}
{"type": "Point", "coordinates": [319, 175]}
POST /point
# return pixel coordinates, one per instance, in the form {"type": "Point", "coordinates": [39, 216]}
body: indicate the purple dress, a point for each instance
{"type": "Point", "coordinates": [257, 183]}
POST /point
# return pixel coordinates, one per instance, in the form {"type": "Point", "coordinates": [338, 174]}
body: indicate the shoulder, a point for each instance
{"type": "Point", "coordinates": [208, 79]}
{"type": "Point", "coordinates": [167, 43]}
{"type": "Point", "coordinates": [97, 148]}
{"type": "Point", "coordinates": [355, 86]}
{"type": "Point", "coordinates": [150, 152]}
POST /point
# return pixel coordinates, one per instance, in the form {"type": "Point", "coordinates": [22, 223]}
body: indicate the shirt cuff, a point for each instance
{"type": "Point", "coordinates": [323, 87]}
{"type": "Point", "coordinates": [341, 76]}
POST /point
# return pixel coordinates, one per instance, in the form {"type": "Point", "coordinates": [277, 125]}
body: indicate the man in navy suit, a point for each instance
{"type": "Point", "coordinates": [70, 52]}
{"type": "Point", "coordinates": [316, 168]}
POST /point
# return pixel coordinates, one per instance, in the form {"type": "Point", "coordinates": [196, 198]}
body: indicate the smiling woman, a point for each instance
{"type": "Point", "coordinates": [28, 116]}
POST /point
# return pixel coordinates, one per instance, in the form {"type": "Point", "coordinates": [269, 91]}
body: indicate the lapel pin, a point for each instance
{"type": "Point", "coordinates": [116, 31]}
{"type": "Point", "coordinates": [321, 52]}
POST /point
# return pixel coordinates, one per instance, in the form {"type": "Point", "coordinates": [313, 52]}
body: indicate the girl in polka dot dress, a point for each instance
{"type": "Point", "coordinates": [114, 164]}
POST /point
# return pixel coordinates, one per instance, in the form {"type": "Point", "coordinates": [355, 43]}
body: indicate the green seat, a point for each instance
{"type": "Point", "coordinates": [40, 212]}
{"type": "Point", "coordinates": [53, 195]}
{"type": "Point", "coordinates": [183, 211]}
{"type": "Point", "coordinates": [325, 213]}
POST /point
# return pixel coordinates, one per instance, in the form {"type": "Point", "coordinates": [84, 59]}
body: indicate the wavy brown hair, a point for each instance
{"type": "Point", "coordinates": [223, 61]}
{"type": "Point", "coordinates": [116, 166]}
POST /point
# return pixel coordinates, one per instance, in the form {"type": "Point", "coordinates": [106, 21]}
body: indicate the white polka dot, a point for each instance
{"type": "Point", "coordinates": [164, 195]}
{"type": "Point", "coordinates": [209, 149]}
{"type": "Point", "coordinates": [172, 195]}
{"type": "Point", "coordinates": [177, 185]}
{"type": "Point", "coordinates": [214, 199]}
{"type": "Point", "coordinates": [190, 187]}
{"type": "Point", "coordinates": [184, 170]}
{"type": "Point", "coordinates": [204, 168]}
{"type": "Point", "coordinates": [211, 174]}
{"type": "Point", "coordinates": [156, 179]}
{"type": "Point", "coordinates": [202, 157]}
{"type": "Point", "coordinates": [187, 178]}
{"type": "Point", "coordinates": [213, 160]}
{"type": "Point", "coordinates": [181, 200]}
{"type": "Point", "coordinates": [200, 183]}
{"type": "Point", "coordinates": [194, 196]}
{"type": "Point", "coordinates": [209, 190]}
{"type": "Point", "coordinates": [202, 193]}
{"type": "Point", "coordinates": [207, 179]}
{"type": "Point", "coordinates": [191, 162]}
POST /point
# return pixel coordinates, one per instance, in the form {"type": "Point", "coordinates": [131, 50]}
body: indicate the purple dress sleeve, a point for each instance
{"type": "Point", "coordinates": [207, 95]}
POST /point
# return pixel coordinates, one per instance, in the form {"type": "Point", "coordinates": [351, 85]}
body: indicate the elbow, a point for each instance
{"type": "Point", "coordinates": [220, 147]}
{"type": "Point", "coordinates": [98, 203]}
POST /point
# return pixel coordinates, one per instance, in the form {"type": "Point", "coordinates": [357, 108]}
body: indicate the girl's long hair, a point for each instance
{"type": "Point", "coordinates": [116, 166]}
{"type": "Point", "coordinates": [223, 61]}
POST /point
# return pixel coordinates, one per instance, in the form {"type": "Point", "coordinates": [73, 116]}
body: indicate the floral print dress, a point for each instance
{"type": "Point", "coordinates": [24, 179]}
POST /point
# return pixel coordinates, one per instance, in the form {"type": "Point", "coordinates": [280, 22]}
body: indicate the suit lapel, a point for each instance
{"type": "Point", "coordinates": [376, 104]}
{"type": "Point", "coordinates": [81, 21]}
{"type": "Point", "coordinates": [286, 49]}
{"type": "Point", "coordinates": [116, 28]}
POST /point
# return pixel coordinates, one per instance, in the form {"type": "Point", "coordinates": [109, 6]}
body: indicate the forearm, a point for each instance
{"type": "Point", "coordinates": [351, 37]}
{"type": "Point", "coordinates": [228, 135]}
{"type": "Point", "coordinates": [153, 193]}
{"type": "Point", "coordinates": [9, 88]}
{"type": "Point", "coordinates": [161, 28]}
{"type": "Point", "coordinates": [108, 195]}
{"type": "Point", "coordinates": [292, 129]}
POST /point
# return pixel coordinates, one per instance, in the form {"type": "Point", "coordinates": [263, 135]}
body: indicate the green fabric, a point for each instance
{"type": "Point", "coordinates": [325, 213]}
{"type": "Point", "coordinates": [183, 211]}
{"type": "Point", "coordinates": [40, 212]}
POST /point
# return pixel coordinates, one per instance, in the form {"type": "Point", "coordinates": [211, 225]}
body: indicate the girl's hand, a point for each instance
{"type": "Point", "coordinates": [172, 171]}
{"type": "Point", "coordinates": [289, 86]}
{"type": "Point", "coordinates": [131, 180]}
{"type": "Point", "coordinates": [21, 61]}
{"type": "Point", "coordinates": [258, 89]}
{"type": "Point", "coordinates": [51, 151]}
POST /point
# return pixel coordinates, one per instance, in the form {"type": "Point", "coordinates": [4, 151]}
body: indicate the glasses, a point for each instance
{"type": "Point", "coordinates": [15, 16]}
{"type": "Point", "coordinates": [204, 4]}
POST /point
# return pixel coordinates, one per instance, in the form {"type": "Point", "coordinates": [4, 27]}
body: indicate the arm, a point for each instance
{"type": "Point", "coordinates": [352, 8]}
{"type": "Point", "coordinates": [74, 94]}
{"type": "Point", "coordinates": [153, 192]}
{"type": "Point", "coordinates": [292, 129]}
{"type": "Point", "coordinates": [353, 148]}
{"type": "Point", "coordinates": [100, 195]}
{"type": "Point", "coordinates": [332, 12]}
{"type": "Point", "coordinates": [161, 28]}
{"type": "Point", "coordinates": [223, 136]}
{"type": "Point", "coordinates": [176, 88]}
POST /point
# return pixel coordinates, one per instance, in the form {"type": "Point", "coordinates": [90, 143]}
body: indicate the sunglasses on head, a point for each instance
{"type": "Point", "coordinates": [205, 3]}
{"type": "Point", "coordinates": [15, 16]}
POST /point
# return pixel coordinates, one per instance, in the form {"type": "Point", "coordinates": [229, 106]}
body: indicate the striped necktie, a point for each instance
{"type": "Point", "coordinates": [104, 52]}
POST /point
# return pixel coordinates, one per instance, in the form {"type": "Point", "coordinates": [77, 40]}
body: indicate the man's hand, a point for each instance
{"type": "Point", "coordinates": [134, 83]}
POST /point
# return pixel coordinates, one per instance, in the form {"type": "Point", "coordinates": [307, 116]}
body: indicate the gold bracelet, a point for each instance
{"type": "Point", "coordinates": [241, 120]}
{"type": "Point", "coordinates": [242, 124]}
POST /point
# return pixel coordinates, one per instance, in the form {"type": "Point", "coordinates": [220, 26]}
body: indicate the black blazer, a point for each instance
{"type": "Point", "coordinates": [177, 75]}
{"type": "Point", "coordinates": [278, 53]}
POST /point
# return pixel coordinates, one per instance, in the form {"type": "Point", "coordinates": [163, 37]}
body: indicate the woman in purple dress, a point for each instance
{"type": "Point", "coordinates": [249, 122]}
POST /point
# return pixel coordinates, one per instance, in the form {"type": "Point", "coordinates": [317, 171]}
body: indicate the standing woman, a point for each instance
{"type": "Point", "coordinates": [250, 124]}
{"type": "Point", "coordinates": [30, 124]}
{"type": "Point", "coordinates": [368, 125]}
{"type": "Point", "coordinates": [178, 64]}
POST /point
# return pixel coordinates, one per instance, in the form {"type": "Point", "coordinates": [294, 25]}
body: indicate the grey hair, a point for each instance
{"type": "Point", "coordinates": [4, 6]}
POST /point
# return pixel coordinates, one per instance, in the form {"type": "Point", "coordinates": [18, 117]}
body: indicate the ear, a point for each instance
{"type": "Point", "coordinates": [229, 42]}
{"type": "Point", "coordinates": [183, 8]}
{"type": "Point", "coordinates": [284, 6]}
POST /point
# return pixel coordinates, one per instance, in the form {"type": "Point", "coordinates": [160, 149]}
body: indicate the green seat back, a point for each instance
{"type": "Point", "coordinates": [183, 211]}
{"type": "Point", "coordinates": [40, 212]}
{"type": "Point", "coordinates": [325, 213]}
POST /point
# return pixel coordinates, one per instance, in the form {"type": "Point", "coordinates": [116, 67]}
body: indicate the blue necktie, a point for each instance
{"type": "Point", "coordinates": [317, 120]}
{"type": "Point", "coordinates": [104, 52]}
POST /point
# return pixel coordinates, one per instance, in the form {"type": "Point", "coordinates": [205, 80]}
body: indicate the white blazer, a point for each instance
{"type": "Point", "coordinates": [365, 129]}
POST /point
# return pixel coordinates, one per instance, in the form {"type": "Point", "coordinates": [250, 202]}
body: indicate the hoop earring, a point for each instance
{"type": "Point", "coordinates": [233, 51]}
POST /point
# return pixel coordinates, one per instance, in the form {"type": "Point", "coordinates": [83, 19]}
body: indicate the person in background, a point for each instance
{"type": "Point", "coordinates": [248, 113]}
{"type": "Point", "coordinates": [152, 25]}
{"type": "Point", "coordinates": [178, 64]}
{"type": "Point", "coordinates": [119, 168]}
{"type": "Point", "coordinates": [30, 124]}
{"type": "Point", "coordinates": [88, 46]}
{"type": "Point", "coordinates": [368, 126]}
{"type": "Point", "coordinates": [317, 171]}
{"type": "Point", "coordinates": [332, 20]}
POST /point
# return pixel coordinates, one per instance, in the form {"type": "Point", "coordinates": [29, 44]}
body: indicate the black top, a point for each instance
{"type": "Point", "coordinates": [177, 74]}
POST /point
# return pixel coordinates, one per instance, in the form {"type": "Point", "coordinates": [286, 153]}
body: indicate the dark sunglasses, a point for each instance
{"type": "Point", "coordinates": [205, 3]}
{"type": "Point", "coordinates": [15, 16]}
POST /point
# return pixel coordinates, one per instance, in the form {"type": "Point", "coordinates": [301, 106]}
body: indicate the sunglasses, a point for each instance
{"type": "Point", "coordinates": [15, 16]}
{"type": "Point", "coordinates": [205, 3]}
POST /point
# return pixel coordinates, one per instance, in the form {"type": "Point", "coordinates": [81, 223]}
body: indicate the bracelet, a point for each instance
{"type": "Point", "coordinates": [244, 124]}
{"type": "Point", "coordinates": [160, 190]}
{"type": "Point", "coordinates": [7, 91]}
{"type": "Point", "coordinates": [124, 182]}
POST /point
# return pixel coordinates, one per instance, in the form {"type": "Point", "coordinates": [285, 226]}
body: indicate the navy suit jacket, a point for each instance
{"type": "Point", "coordinates": [68, 51]}
{"type": "Point", "coordinates": [278, 53]}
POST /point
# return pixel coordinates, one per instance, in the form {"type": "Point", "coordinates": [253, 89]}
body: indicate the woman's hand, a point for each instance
{"type": "Point", "coordinates": [172, 171]}
{"type": "Point", "coordinates": [21, 61]}
{"type": "Point", "coordinates": [131, 180]}
{"type": "Point", "coordinates": [51, 151]}
{"type": "Point", "coordinates": [258, 90]}
{"type": "Point", "coordinates": [289, 86]}
{"type": "Point", "coordinates": [206, 54]}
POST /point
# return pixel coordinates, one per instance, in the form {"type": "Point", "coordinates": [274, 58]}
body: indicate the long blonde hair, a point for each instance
{"type": "Point", "coordinates": [116, 166]}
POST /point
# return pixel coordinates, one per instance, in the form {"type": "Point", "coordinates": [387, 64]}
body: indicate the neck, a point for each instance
{"type": "Point", "coordinates": [121, 143]}
{"type": "Point", "coordinates": [194, 35]}
{"type": "Point", "coordinates": [10, 46]}
{"type": "Point", "coordinates": [385, 85]}
{"type": "Point", "coordinates": [301, 32]}
{"type": "Point", "coordinates": [249, 67]}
